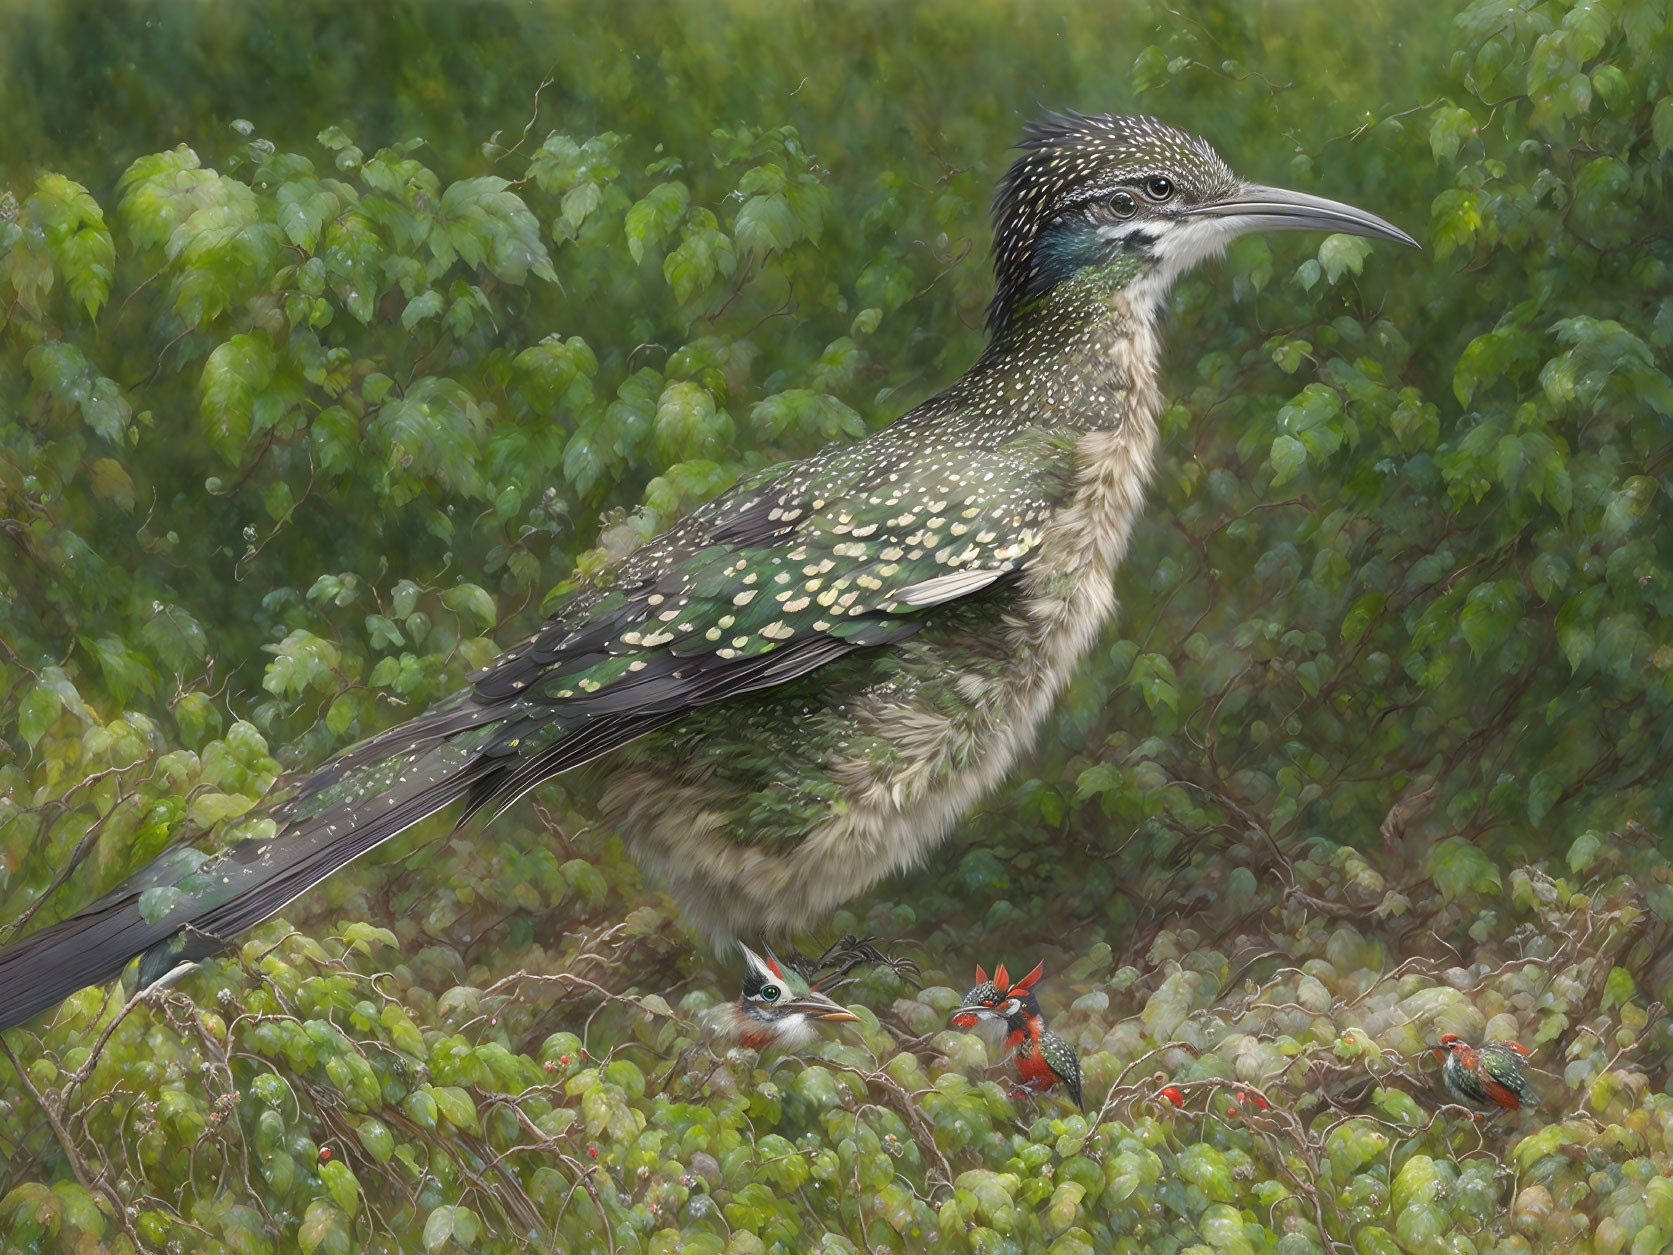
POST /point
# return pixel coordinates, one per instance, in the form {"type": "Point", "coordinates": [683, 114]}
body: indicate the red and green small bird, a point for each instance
{"type": "Point", "coordinates": [1489, 1077]}
{"type": "Point", "coordinates": [1043, 1059]}
{"type": "Point", "coordinates": [777, 1009]}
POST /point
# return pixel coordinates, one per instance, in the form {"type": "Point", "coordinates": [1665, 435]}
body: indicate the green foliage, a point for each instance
{"type": "Point", "coordinates": [299, 416]}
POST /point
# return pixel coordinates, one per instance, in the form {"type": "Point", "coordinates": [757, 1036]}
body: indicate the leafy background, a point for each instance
{"type": "Point", "coordinates": [337, 340]}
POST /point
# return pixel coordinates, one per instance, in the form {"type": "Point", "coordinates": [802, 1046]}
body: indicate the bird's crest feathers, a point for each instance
{"type": "Point", "coordinates": [761, 971]}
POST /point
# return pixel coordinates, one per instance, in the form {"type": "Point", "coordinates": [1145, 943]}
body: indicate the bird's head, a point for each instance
{"type": "Point", "coordinates": [1132, 195]}
{"type": "Point", "coordinates": [977, 1005]}
{"type": "Point", "coordinates": [782, 1007]}
{"type": "Point", "coordinates": [1018, 1010]}
{"type": "Point", "coordinates": [1450, 1044]}
{"type": "Point", "coordinates": [981, 1003]}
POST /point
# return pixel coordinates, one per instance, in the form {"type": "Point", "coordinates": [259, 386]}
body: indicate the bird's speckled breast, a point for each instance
{"type": "Point", "coordinates": [893, 818]}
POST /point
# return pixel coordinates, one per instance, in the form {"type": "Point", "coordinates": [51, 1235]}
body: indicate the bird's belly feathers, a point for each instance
{"type": "Point", "coordinates": [765, 816]}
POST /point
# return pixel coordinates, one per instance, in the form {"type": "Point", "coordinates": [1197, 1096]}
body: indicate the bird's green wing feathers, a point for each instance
{"type": "Point", "coordinates": [790, 570]}
{"type": "Point", "coordinates": [782, 575]}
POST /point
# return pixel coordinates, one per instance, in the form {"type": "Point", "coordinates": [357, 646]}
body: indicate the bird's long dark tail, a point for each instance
{"type": "Point", "coordinates": [185, 906]}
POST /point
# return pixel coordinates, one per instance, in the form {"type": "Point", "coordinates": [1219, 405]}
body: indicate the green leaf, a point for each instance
{"type": "Point", "coordinates": [1288, 456]}
{"type": "Point", "coordinates": [451, 1225]}
{"type": "Point", "coordinates": [427, 304]}
{"type": "Point", "coordinates": [455, 1106]}
{"type": "Point", "coordinates": [305, 206]}
{"type": "Point", "coordinates": [1490, 611]}
{"type": "Point", "coordinates": [490, 225]}
{"type": "Point", "coordinates": [1619, 989]}
{"type": "Point", "coordinates": [1449, 127]}
{"type": "Point", "coordinates": [1459, 868]}
{"type": "Point", "coordinates": [74, 228]}
{"type": "Point", "coordinates": [653, 216]}
{"type": "Point", "coordinates": [692, 266]}
{"type": "Point", "coordinates": [764, 225]}
{"type": "Point", "coordinates": [161, 191]}
{"type": "Point", "coordinates": [344, 1188]}
{"type": "Point", "coordinates": [1342, 254]}
{"type": "Point", "coordinates": [238, 373]}
{"type": "Point", "coordinates": [473, 604]}
{"type": "Point", "coordinates": [1583, 853]}
{"type": "Point", "coordinates": [324, 1229]}
{"type": "Point", "coordinates": [1361, 616]}
{"type": "Point", "coordinates": [38, 711]}
{"type": "Point", "coordinates": [1661, 124]}
{"type": "Point", "coordinates": [65, 374]}
{"type": "Point", "coordinates": [688, 427]}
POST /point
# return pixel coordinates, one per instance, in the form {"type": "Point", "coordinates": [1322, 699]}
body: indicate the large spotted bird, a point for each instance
{"type": "Point", "coordinates": [795, 691]}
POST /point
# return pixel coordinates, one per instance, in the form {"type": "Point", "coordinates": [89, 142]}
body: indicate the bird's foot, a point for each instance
{"type": "Point", "coordinates": [830, 969]}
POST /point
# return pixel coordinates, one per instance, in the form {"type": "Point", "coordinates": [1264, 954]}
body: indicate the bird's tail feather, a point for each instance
{"type": "Point", "coordinates": [336, 816]}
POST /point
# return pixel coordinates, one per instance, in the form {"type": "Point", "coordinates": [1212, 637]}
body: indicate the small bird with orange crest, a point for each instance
{"type": "Point", "coordinates": [1488, 1077]}
{"type": "Point", "coordinates": [1043, 1059]}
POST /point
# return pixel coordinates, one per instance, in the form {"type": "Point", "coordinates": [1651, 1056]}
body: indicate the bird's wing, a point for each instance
{"type": "Point", "coordinates": [789, 571]}
{"type": "Point", "coordinates": [1500, 1093]}
{"type": "Point", "coordinates": [848, 554]}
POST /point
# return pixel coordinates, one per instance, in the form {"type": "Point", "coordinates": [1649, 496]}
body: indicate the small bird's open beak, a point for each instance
{"type": "Point", "coordinates": [1260, 208]}
{"type": "Point", "coordinates": [818, 1007]}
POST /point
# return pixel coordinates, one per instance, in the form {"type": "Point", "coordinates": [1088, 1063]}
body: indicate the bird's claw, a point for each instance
{"type": "Point", "coordinates": [829, 969]}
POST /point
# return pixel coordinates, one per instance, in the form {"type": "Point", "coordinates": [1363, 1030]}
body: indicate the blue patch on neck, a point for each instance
{"type": "Point", "coordinates": [1064, 248]}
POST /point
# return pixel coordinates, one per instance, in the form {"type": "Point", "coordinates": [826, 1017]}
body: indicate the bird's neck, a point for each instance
{"type": "Point", "coordinates": [1025, 1032]}
{"type": "Point", "coordinates": [1080, 353]}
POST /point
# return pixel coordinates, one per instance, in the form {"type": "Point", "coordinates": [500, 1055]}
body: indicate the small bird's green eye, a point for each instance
{"type": "Point", "coordinates": [1159, 188]}
{"type": "Point", "coordinates": [1122, 205]}
{"type": "Point", "coordinates": [769, 993]}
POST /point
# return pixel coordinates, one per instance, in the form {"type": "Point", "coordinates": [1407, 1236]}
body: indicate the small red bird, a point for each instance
{"type": "Point", "coordinates": [1489, 1077]}
{"type": "Point", "coordinates": [1043, 1059]}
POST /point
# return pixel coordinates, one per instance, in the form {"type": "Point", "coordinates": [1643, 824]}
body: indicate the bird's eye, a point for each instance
{"type": "Point", "coordinates": [769, 993]}
{"type": "Point", "coordinates": [1159, 188]}
{"type": "Point", "coordinates": [1123, 205]}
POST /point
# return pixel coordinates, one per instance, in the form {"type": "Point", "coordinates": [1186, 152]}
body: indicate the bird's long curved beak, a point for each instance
{"type": "Point", "coordinates": [975, 1010]}
{"type": "Point", "coordinates": [1258, 208]}
{"type": "Point", "coordinates": [817, 1006]}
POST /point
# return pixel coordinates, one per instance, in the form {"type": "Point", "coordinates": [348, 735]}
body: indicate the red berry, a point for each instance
{"type": "Point", "coordinates": [593, 1151]}
{"type": "Point", "coordinates": [564, 1059]}
{"type": "Point", "coordinates": [1260, 1102]}
{"type": "Point", "coordinates": [1173, 1094]}
{"type": "Point", "coordinates": [325, 1154]}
